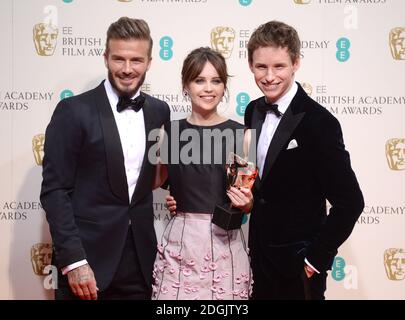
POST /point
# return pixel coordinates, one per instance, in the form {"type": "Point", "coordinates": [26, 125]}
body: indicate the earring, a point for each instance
{"type": "Point", "coordinates": [185, 93]}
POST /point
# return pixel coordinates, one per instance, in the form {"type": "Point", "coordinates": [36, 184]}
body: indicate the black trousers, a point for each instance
{"type": "Point", "coordinates": [270, 284]}
{"type": "Point", "coordinates": [128, 282]}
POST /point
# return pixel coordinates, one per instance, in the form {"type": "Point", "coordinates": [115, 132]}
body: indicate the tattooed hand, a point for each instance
{"type": "Point", "coordinates": [82, 283]}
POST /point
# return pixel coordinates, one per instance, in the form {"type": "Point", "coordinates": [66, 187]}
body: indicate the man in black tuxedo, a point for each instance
{"type": "Point", "coordinates": [97, 180]}
{"type": "Point", "coordinates": [302, 163]}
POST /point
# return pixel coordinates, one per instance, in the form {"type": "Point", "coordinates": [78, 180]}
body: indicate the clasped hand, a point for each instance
{"type": "Point", "coordinates": [241, 198]}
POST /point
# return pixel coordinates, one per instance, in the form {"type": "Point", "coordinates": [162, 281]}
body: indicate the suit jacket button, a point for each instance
{"type": "Point", "coordinates": [262, 201]}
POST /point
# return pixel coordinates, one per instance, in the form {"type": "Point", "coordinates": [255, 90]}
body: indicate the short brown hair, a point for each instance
{"type": "Point", "coordinates": [275, 34]}
{"type": "Point", "coordinates": [128, 28]}
{"type": "Point", "coordinates": [195, 62]}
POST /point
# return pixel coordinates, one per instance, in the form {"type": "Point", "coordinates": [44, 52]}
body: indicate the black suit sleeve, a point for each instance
{"type": "Point", "coordinates": [341, 189]}
{"type": "Point", "coordinates": [166, 124]}
{"type": "Point", "coordinates": [248, 115]}
{"type": "Point", "coordinates": [167, 113]}
{"type": "Point", "coordinates": [62, 147]}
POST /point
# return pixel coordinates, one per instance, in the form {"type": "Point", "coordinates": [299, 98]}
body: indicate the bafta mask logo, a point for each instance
{"type": "Point", "coordinates": [38, 148]}
{"type": "Point", "coordinates": [41, 257]}
{"type": "Point", "coordinates": [307, 88]}
{"type": "Point", "coordinates": [395, 153]}
{"type": "Point", "coordinates": [302, 1]}
{"type": "Point", "coordinates": [222, 39]}
{"type": "Point", "coordinates": [45, 37]}
{"type": "Point", "coordinates": [397, 43]}
{"type": "Point", "coordinates": [394, 263]}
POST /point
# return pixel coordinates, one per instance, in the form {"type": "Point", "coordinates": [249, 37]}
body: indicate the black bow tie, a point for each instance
{"type": "Point", "coordinates": [134, 104]}
{"type": "Point", "coordinates": [264, 107]}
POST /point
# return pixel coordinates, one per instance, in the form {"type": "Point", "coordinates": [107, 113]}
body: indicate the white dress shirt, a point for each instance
{"type": "Point", "coordinates": [270, 125]}
{"type": "Point", "coordinates": [131, 129]}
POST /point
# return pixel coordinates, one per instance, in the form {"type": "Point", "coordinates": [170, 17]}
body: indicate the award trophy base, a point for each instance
{"type": "Point", "coordinates": [227, 217]}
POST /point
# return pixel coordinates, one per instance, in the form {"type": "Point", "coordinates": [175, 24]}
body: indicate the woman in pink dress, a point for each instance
{"type": "Point", "coordinates": [197, 259]}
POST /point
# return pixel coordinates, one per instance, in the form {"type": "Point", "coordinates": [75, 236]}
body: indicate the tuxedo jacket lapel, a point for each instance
{"type": "Point", "coordinates": [113, 148]}
{"type": "Point", "coordinates": [285, 129]}
{"type": "Point", "coordinates": [257, 123]}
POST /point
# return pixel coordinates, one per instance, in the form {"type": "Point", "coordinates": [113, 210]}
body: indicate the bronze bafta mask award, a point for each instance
{"type": "Point", "coordinates": [239, 173]}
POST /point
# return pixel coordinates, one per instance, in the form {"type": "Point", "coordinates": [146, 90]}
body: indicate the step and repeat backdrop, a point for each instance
{"type": "Point", "coordinates": [353, 63]}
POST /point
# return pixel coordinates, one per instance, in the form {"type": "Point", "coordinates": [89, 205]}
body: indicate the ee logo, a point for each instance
{"type": "Point", "coordinates": [66, 94]}
{"type": "Point", "coordinates": [343, 53]}
{"type": "Point", "coordinates": [242, 100]}
{"type": "Point", "coordinates": [245, 3]}
{"type": "Point", "coordinates": [338, 267]}
{"type": "Point", "coordinates": [244, 218]}
{"type": "Point", "coordinates": [166, 44]}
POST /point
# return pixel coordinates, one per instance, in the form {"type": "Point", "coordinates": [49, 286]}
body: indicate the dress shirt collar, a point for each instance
{"type": "Point", "coordinates": [286, 99]}
{"type": "Point", "coordinates": [112, 95]}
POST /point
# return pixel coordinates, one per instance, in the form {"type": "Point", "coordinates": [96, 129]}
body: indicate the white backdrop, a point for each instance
{"type": "Point", "coordinates": [352, 64]}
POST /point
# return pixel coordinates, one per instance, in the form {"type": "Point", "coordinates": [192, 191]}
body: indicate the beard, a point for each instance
{"type": "Point", "coordinates": [123, 93]}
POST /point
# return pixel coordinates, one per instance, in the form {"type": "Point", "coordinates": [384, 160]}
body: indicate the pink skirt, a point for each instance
{"type": "Point", "coordinates": [198, 260]}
